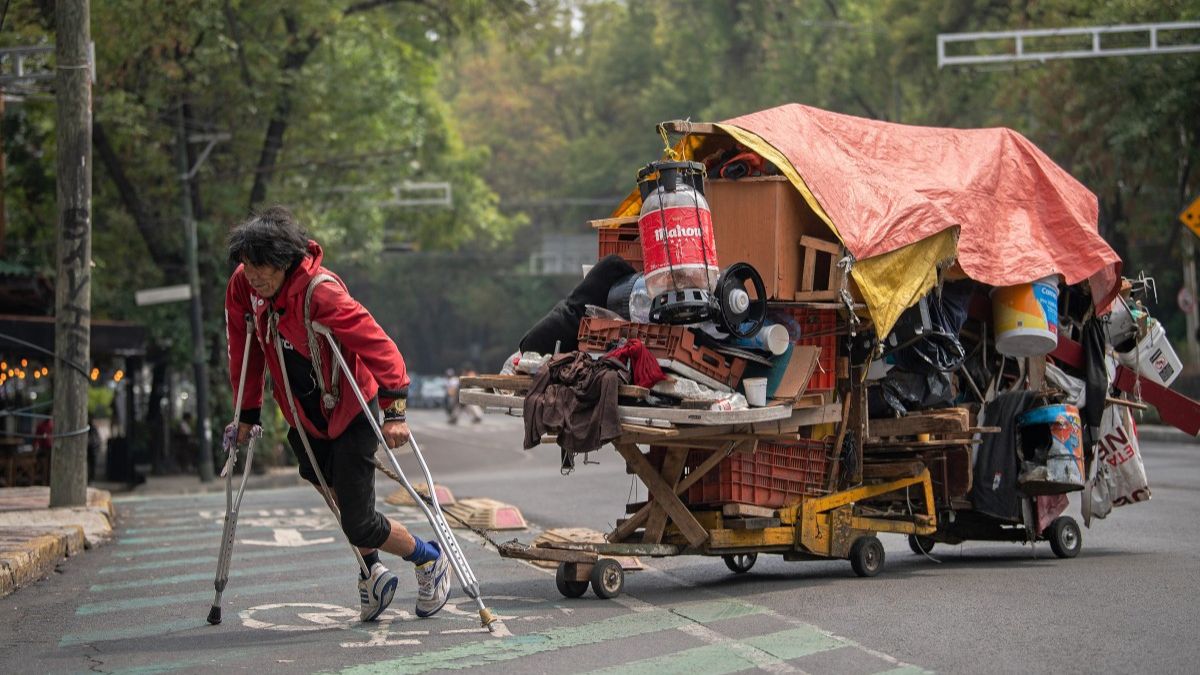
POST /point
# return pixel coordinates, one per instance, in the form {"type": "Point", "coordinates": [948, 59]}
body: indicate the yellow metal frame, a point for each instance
{"type": "Point", "coordinates": [822, 526]}
{"type": "Point", "coordinates": [829, 525]}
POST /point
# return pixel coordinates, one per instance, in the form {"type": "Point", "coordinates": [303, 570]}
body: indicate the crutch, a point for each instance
{"type": "Point", "coordinates": [441, 529]}
{"type": "Point", "coordinates": [272, 329]}
{"type": "Point", "coordinates": [232, 505]}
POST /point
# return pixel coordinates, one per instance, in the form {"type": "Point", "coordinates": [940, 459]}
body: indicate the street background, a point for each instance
{"type": "Point", "coordinates": [139, 604]}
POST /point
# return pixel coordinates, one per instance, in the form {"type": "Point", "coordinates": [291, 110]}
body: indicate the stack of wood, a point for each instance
{"type": "Point", "coordinates": [939, 440]}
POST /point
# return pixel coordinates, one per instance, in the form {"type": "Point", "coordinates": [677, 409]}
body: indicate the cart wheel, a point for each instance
{"type": "Point", "coordinates": [866, 556]}
{"type": "Point", "coordinates": [568, 587]}
{"type": "Point", "coordinates": [920, 545]}
{"type": "Point", "coordinates": [1065, 538]}
{"type": "Point", "coordinates": [607, 578]}
{"type": "Point", "coordinates": [740, 563]}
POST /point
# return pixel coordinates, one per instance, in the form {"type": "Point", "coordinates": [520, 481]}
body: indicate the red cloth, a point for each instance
{"type": "Point", "coordinates": [642, 365]}
{"type": "Point", "coordinates": [376, 362]}
{"type": "Point", "coordinates": [885, 186]}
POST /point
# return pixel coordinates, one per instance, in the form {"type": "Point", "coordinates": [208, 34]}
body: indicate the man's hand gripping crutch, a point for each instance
{"type": "Point", "coordinates": [230, 443]}
{"type": "Point", "coordinates": [431, 508]}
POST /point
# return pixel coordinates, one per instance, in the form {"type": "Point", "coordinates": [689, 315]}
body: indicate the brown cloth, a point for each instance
{"type": "Point", "coordinates": [575, 397]}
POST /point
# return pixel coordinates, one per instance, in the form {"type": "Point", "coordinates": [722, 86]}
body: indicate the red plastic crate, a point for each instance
{"type": "Point", "coordinates": [819, 328]}
{"type": "Point", "coordinates": [776, 474]}
{"type": "Point", "coordinates": [675, 344]}
{"type": "Point", "coordinates": [623, 240]}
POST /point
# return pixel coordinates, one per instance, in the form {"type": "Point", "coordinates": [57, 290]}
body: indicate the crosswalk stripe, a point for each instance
{"type": "Point", "coordinates": [238, 555]}
{"type": "Point", "coordinates": [208, 576]}
{"type": "Point", "coordinates": [491, 652]}
{"type": "Point", "coordinates": [193, 596]}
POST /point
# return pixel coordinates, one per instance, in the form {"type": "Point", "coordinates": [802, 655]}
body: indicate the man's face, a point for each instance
{"type": "Point", "coordinates": [265, 279]}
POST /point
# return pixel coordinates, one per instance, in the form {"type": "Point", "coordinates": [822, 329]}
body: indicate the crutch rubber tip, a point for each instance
{"type": "Point", "coordinates": [214, 615]}
{"type": "Point", "coordinates": [487, 618]}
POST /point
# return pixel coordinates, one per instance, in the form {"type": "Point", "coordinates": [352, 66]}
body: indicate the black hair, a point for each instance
{"type": "Point", "coordinates": [272, 237]}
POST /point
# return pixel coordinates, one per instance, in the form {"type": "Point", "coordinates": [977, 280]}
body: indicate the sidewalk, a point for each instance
{"type": "Point", "coordinates": [35, 537]}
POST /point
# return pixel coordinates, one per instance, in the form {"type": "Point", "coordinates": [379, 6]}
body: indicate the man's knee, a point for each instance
{"type": "Point", "coordinates": [368, 530]}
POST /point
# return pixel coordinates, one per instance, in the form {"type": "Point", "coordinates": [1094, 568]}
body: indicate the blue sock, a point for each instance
{"type": "Point", "coordinates": [423, 553]}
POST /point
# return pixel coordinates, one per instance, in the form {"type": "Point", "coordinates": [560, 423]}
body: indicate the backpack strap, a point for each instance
{"type": "Point", "coordinates": [330, 393]}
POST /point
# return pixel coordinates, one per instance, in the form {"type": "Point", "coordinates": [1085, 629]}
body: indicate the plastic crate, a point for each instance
{"type": "Point", "coordinates": [818, 328]}
{"type": "Point", "coordinates": [775, 475]}
{"type": "Point", "coordinates": [673, 347]}
{"type": "Point", "coordinates": [623, 240]}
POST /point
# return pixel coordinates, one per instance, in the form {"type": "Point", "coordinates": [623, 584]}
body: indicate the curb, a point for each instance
{"type": "Point", "coordinates": [34, 537]}
{"type": "Point", "coordinates": [29, 553]}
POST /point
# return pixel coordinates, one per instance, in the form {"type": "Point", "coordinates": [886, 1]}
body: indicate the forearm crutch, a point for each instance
{"type": "Point", "coordinates": [441, 528]}
{"type": "Point", "coordinates": [231, 504]}
{"type": "Point", "coordinates": [312, 458]}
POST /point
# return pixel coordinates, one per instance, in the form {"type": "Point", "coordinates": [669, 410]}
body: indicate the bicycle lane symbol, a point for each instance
{"type": "Point", "coordinates": [394, 627]}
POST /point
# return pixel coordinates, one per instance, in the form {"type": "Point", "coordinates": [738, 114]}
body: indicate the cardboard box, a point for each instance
{"type": "Point", "coordinates": [760, 221]}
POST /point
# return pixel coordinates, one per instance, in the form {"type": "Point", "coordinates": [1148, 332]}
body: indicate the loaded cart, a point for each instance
{"type": "Point", "coordinates": [700, 456]}
{"type": "Point", "coordinates": [805, 329]}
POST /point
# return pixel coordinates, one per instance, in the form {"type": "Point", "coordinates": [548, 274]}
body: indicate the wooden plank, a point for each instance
{"type": "Point", "coordinates": [751, 523]}
{"type": "Point", "coordinates": [831, 247]}
{"type": "Point", "coordinates": [771, 536]}
{"type": "Point", "coordinates": [672, 471]}
{"type": "Point", "coordinates": [878, 443]}
{"type": "Point", "coordinates": [607, 548]}
{"type": "Point", "coordinates": [608, 223]}
{"type": "Point", "coordinates": [664, 494]}
{"type": "Point", "coordinates": [809, 273]}
{"type": "Point", "coordinates": [892, 470]}
{"type": "Point", "coordinates": [816, 296]}
{"type": "Point", "coordinates": [694, 128]}
{"type": "Point", "coordinates": [747, 511]}
{"type": "Point", "coordinates": [623, 530]}
{"type": "Point", "coordinates": [522, 383]}
{"type": "Point", "coordinates": [922, 423]}
{"type": "Point", "coordinates": [645, 415]}
{"type": "Point", "coordinates": [541, 553]}
{"type": "Point", "coordinates": [653, 432]}
{"type": "Point", "coordinates": [804, 417]}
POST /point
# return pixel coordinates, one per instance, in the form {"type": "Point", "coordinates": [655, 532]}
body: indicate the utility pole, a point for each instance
{"type": "Point", "coordinates": [3, 172]}
{"type": "Point", "coordinates": [73, 289]}
{"type": "Point", "coordinates": [199, 362]}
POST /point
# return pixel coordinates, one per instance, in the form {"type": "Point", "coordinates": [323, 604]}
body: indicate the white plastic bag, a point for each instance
{"type": "Point", "coordinates": [1118, 449]}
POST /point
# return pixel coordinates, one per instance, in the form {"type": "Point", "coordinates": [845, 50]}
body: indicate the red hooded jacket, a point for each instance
{"type": "Point", "coordinates": [376, 362]}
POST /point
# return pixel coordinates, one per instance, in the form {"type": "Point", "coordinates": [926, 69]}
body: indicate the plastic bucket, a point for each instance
{"type": "Point", "coordinates": [1026, 318]}
{"type": "Point", "coordinates": [1063, 469]}
{"type": "Point", "coordinates": [1154, 356]}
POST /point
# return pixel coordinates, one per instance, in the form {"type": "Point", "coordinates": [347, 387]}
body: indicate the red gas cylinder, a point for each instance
{"type": "Point", "coordinates": [678, 248]}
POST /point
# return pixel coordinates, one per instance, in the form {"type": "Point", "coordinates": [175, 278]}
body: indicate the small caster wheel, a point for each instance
{"type": "Point", "coordinates": [568, 586]}
{"type": "Point", "coordinates": [920, 545]}
{"type": "Point", "coordinates": [866, 556]}
{"type": "Point", "coordinates": [740, 563]}
{"type": "Point", "coordinates": [607, 578]}
{"type": "Point", "coordinates": [1065, 537]}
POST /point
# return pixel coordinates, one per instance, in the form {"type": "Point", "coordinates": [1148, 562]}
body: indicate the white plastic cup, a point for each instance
{"type": "Point", "coordinates": [756, 391]}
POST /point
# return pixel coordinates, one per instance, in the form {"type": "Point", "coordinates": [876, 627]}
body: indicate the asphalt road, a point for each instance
{"type": "Point", "coordinates": [1126, 604]}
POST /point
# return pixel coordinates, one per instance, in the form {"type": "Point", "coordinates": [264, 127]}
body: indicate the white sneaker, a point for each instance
{"type": "Point", "coordinates": [375, 593]}
{"type": "Point", "coordinates": [433, 584]}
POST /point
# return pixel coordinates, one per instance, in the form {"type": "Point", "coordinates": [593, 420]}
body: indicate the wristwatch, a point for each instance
{"type": "Point", "coordinates": [395, 411]}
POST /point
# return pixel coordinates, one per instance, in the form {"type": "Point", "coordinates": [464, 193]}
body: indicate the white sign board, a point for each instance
{"type": "Point", "coordinates": [154, 296]}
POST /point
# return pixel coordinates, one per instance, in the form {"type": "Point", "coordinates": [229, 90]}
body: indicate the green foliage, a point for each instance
{"type": "Point", "coordinates": [99, 402]}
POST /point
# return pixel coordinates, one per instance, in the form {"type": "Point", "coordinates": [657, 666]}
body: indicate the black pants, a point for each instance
{"type": "Point", "coordinates": [347, 462]}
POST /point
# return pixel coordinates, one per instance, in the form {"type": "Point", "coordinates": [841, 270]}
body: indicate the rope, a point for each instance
{"type": "Point", "coordinates": [482, 533]}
